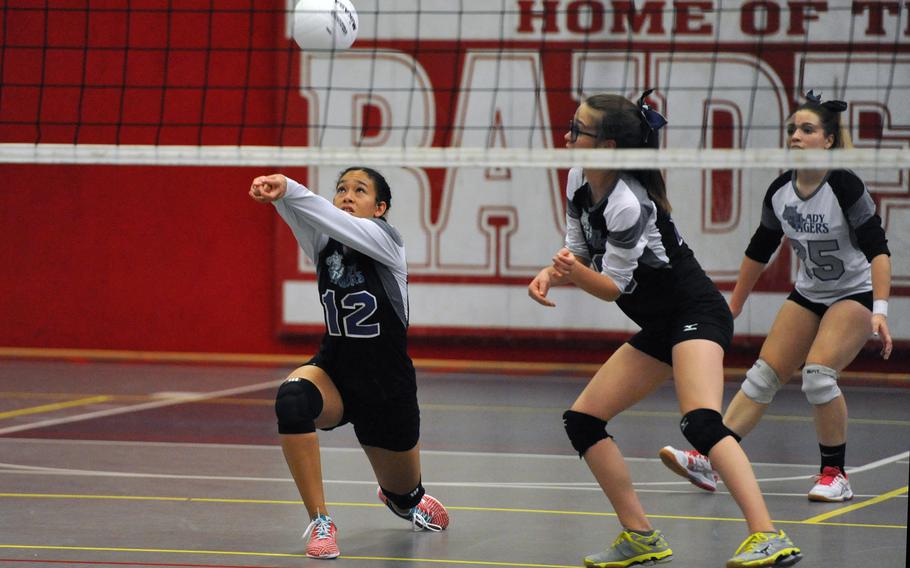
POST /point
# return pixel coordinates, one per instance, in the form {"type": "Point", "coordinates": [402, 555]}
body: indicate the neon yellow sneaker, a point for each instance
{"type": "Point", "coordinates": [632, 548]}
{"type": "Point", "coordinates": [766, 549]}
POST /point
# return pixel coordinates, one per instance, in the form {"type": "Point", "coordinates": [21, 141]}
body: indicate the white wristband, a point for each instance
{"type": "Point", "coordinates": [880, 307]}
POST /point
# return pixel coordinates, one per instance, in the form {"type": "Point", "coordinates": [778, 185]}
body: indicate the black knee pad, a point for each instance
{"type": "Point", "coordinates": [704, 428]}
{"type": "Point", "coordinates": [405, 502]}
{"type": "Point", "coordinates": [584, 430]}
{"type": "Point", "coordinates": [297, 406]}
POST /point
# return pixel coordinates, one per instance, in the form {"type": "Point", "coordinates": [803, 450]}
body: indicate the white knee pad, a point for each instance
{"type": "Point", "coordinates": [761, 383]}
{"type": "Point", "coordinates": [820, 384]}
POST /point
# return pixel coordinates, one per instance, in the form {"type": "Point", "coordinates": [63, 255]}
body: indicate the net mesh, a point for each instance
{"type": "Point", "coordinates": [436, 83]}
{"type": "Point", "coordinates": [464, 105]}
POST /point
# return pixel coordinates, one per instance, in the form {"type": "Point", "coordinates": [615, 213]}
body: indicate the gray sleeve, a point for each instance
{"type": "Point", "coordinates": [309, 215]}
{"type": "Point", "coordinates": [575, 237]}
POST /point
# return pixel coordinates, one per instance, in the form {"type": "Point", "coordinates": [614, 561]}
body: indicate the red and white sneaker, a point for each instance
{"type": "Point", "coordinates": [692, 465]}
{"type": "Point", "coordinates": [428, 515]}
{"type": "Point", "coordinates": [320, 535]}
{"type": "Point", "coordinates": [831, 486]}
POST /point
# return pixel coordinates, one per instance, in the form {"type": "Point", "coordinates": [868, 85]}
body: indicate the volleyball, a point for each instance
{"type": "Point", "coordinates": [325, 24]}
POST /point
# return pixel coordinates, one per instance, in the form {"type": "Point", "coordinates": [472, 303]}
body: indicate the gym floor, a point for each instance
{"type": "Point", "coordinates": [162, 464]}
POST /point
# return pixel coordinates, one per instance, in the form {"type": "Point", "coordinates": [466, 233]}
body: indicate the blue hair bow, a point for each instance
{"type": "Point", "coordinates": [653, 119]}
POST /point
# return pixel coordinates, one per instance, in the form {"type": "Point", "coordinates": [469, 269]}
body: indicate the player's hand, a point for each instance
{"type": "Point", "coordinates": [880, 330]}
{"type": "Point", "coordinates": [266, 189]}
{"type": "Point", "coordinates": [539, 287]}
{"type": "Point", "coordinates": [564, 262]}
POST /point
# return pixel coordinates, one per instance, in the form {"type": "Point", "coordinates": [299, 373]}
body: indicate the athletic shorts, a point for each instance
{"type": "Point", "coordinates": [384, 414]}
{"type": "Point", "coordinates": [864, 298]}
{"type": "Point", "coordinates": [706, 320]}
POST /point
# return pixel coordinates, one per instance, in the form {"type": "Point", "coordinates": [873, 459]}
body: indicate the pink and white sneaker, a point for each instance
{"type": "Point", "coordinates": [831, 486]}
{"type": "Point", "coordinates": [320, 535]}
{"type": "Point", "coordinates": [429, 514]}
{"type": "Point", "coordinates": [692, 465]}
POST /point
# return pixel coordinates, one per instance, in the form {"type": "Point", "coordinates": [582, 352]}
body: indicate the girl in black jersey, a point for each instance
{"type": "Point", "coordinates": [840, 297]}
{"type": "Point", "coordinates": [362, 373]}
{"type": "Point", "coordinates": [622, 246]}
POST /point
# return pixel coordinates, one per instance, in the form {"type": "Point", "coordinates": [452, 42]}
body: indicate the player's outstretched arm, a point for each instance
{"type": "Point", "coordinates": [266, 189]}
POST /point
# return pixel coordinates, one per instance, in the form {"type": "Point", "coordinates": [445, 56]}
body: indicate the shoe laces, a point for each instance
{"type": "Point", "coordinates": [754, 541]}
{"type": "Point", "coordinates": [698, 459]}
{"type": "Point", "coordinates": [829, 475]}
{"type": "Point", "coordinates": [422, 519]}
{"type": "Point", "coordinates": [321, 528]}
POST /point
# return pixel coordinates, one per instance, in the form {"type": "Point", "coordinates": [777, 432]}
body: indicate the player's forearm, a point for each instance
{"type": "Point", "coordinates": [881, 277]}
{"type": "Point", "coordinates": [595, 283]}
{"type": "Point", "coordinates": [749, 273]}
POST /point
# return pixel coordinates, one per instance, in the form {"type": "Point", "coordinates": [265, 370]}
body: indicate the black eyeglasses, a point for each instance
{"type": "Point", "coordinates": [575, 131]}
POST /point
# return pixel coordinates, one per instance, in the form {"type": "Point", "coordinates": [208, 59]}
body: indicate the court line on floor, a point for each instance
{"type": "Point", "coordinates": [583, 485]}
{"type": "Point", "coordinates": [564, 486]}
{"type": "Point", "coordinates": [338, 449]}
{"type": "Point", "coordinates": [850, 470]}
{"type": "Point", "coordinates": [183, 399]}
{"type": "Point", "coordinates": [427, 406]}
{"type": "Point", "coordinates": [843, 510]}
{"type": "Point", "coordinates": [513, 510]}
{"type": "Point", "coordinates": [420, 363]}
{"type": "Point", "coordinates": [54, 406]}
{"type": "Point", "coordinates": [280, 555]}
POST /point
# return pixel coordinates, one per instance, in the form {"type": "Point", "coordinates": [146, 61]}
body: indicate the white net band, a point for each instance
{"type": "Point", "coordinates": [671, 158]}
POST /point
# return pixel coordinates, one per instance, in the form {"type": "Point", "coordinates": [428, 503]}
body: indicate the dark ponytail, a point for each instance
{"type": "Point", "coordinates": [633, 126]}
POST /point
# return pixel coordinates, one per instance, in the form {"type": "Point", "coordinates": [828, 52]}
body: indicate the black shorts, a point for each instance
{"type": "Point", "coordinates": [706, 320]}
{"type": "Point", "coordinates": [384, 413]}
{"type": "Point", "coordinates": [864, 298]}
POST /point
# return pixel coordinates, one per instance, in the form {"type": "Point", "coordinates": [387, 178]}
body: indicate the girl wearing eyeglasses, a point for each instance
{"type": "Point", "coordinates": [622, 246]}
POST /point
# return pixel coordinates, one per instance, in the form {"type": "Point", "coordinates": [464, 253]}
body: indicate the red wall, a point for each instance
{"type": "Point", "coordinates": [135, 258]}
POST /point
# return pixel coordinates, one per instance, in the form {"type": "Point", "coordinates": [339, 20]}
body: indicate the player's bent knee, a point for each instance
{"type": "Point", "coordinates": [297, 405]}
{"type": "Point", "coordinates": [761, 383]}
{"type": "Point", "coordinates": [704, 428]}
{"type": "Point", "coordinates": [820, 384]}
{"type": "Point", "coordinates": [584, 430]}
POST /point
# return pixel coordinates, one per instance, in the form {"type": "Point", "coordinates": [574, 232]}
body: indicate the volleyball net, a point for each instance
{"type": "Point", "coordinates": [464, 104]}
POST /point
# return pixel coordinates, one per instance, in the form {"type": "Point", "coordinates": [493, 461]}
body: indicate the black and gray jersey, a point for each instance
{"type": "Point", "coordinates": [362, 278]}
{"type": "Point", "coordinates": [834, 232]}
{"type": "Point", "coordinates": [635, 243]}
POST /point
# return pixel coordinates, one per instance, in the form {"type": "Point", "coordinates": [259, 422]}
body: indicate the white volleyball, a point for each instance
{"type": "Point", "coordinates": [325, 24]}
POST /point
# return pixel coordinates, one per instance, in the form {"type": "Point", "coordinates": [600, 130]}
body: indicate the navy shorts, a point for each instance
{"type": "Point", "coordinates": [384, 413]}
{"type": "Point", "coordinates": [705, 320]}
{"type": "Point", "coordinates": [864, 298]}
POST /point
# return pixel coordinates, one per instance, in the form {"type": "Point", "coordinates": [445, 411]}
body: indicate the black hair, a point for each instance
{"type": "Point", "coordinates": [624, 122]}
{"type": "Point", "coordinates": [383, 191]}
{"type": "Point", "coordinates": [829, 113]}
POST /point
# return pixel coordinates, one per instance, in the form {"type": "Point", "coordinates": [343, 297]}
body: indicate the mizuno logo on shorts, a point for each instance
{"type": "Point", "coordinates": [690, 327]}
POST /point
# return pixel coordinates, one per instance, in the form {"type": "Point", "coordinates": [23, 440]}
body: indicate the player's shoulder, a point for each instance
{"type": "Point", "coordinates": [846, 180]}
{"type": "Point", "coordinates": [628, 193]}
{"type": "Point", "coordinates": [390, 230]}
{"type": "Point", "coordinates": [780, 181]}
{"type": "Point", "coordinates": [784, 180]}
{"type": "Point", "coordinates": [575, 181]}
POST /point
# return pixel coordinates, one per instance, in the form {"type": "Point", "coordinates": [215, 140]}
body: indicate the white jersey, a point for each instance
{"type": "Point", "coordinates": [834, 232]}
{"type": "Point", "coordinates": [632, 241]}
{"type": "Point", "coordinates": [616, 234]}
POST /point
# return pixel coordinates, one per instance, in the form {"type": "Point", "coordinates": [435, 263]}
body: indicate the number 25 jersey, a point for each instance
{"type": "Point", "coordinates": [834, 231]}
